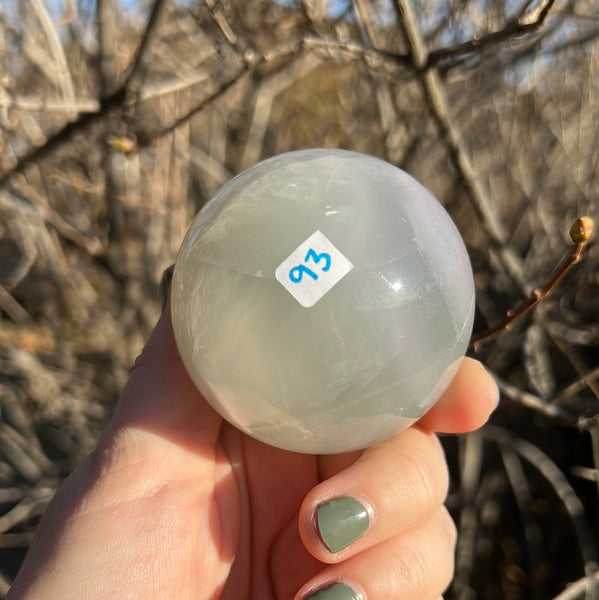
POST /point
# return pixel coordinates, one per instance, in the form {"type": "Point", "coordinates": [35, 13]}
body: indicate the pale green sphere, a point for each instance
{"type": "Point", "coordinates": [322, 301]}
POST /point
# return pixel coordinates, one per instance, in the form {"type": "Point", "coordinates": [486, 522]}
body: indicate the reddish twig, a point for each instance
{"type": "Point", "coordinates": [580, 233]}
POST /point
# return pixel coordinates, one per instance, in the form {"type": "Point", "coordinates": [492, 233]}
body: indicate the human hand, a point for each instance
{"type": "Point", "coordinates": [176, 503]}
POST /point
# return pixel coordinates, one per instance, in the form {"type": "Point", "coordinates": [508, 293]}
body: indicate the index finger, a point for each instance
{"type": "Point", "coordinates": [467, 403]}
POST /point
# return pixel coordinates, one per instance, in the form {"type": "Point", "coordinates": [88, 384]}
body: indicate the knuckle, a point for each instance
{"type": "Point", "coordinates": [415, 567]}
{"type": "Point", "coordinates": [426, 564]}
{"type": "Point", "coordinates": [429, 477]}
{"type": "Point", "coordinates": [450, 527]}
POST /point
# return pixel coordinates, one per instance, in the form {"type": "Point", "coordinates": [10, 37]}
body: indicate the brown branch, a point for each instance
{"type": "Point", "coordinates": [12, 307]}
{"type": "Point", "coordinates": [436, 99]}
{"type": "Point", "coordinates": [551, 410]}
{"type": "Point", "coordinates": [28, 192]}
{"type": "Point", "coordinates": [220, 19]}
{"type": "Point", "coordinates": [106, 19]}
{"type": "Point", "coordinates": [147, 138]}
{"type": "Point", "coordinates": [84, 120]}
{"type": "Point", "coordinates": [584, 380]}
{"type": "Point", "coordinates": [56, 51]}
{"type": "Point", "coordinates": [31, 506]}
{"type": "Point", "coordinates": [553, 476]}
{"type": "Point", "coordinates": [580, 233]}
{"type": "Point", "coordinates": [151, 27]}
{"type": "Point", "coordinates": [367, 53]}
{"type": "Point", "coordinates": [65, 133]}
{"type": "Point", "coordinates": [520, 26]}
{"type": "Point", "coordinates": [578, 589]}
{"type": "Point", "coordinates": [251, 63]}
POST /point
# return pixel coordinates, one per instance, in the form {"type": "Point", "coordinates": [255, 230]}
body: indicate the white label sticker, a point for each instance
{"type": "Point", "coordinates": [312, 269]}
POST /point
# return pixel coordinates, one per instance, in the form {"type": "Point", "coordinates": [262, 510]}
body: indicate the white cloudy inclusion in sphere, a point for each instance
{"type": "Point", "coordinates": [322, 301]}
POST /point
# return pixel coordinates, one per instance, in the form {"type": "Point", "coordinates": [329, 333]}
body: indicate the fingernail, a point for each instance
{"type": "Point", "coordinates": [341, 521]}
{"type": "Point", "coordinates": [165, 284]}
{"type": "Point", "coordinates": [336, 591]}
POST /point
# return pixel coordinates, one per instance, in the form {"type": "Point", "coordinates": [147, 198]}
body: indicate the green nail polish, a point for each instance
{"type": "Point", "coordinates": [341, 521]}
{"type": "Point", "coordinates": [337, 591]}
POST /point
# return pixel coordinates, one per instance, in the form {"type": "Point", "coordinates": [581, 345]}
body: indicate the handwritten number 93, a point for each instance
{"type": "Point", "coordinates": [297, 273]}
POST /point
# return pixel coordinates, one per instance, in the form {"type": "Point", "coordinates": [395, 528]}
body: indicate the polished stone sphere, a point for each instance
{"type": "Point", "coordinates": [322, 301]}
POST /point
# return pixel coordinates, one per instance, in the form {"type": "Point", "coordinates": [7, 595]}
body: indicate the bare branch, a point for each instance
{"type": "Point", "coordinates": [107, 28]}
{"type": "Point", "coordinates": [150, 31]}
{"type": "Point", "coordinates": [581, 382]}
{"type": "Point", "coordinates": [339, 48]}
{"type": "Point", "coordinates": [172, 86]}
{"type": "Point", "coordinates": [521, 26]}
{"type": "Point", "coordinates": [56, 50]}
{"type": "Point", "coordinates": [106, 104]}
{"type": "Point", "coordinates": [553, 475]}
{"type": "Point", "coordinates": [30, 103]}
{"type": "Point", "coordinates": [269, 89]}
{"type": "Point", "coordinates": [92, 246]}
{"type": "Point", "coordinates": [438, 106]}
{"type": "Point", "coordinates": [32, 505]}
{"type": "Point", "coordinates": [147, 138]}
{"type": "Point", "coordinates": [64, 134]}
{"type": "Point", "coordinates": [579, 588]}
{"type": "Point", "coordinates": [12, 308]}
{"type": "Point", "coordinates": [548, 409]}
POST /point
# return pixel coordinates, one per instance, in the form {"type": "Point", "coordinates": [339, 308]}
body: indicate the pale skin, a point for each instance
{"type": "Point", "coordinates": [175, 503]}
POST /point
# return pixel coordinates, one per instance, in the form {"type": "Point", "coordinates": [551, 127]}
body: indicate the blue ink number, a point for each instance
{"type": "Point", "coordinates": [297, 273]}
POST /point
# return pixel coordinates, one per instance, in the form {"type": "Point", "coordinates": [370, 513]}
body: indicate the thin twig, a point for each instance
{"type": "Point", "coordinates": [34, 104]}
{"type": "Point", "coordinates": [368, 53]}
{"type": "Point", "coordinates": [580, 233]}
{"type": "Point", "coordinates": [37, 206]}
{"type": "Point", "coordinates": [23, 454]}
{"type": "Point", "coordinates": [12, 307]}
{"type": "Point", "coordinates": [86, 119]}
{"type": "Point", "coordinates": [150, 30]}
{"type": "Point", "coordinates": [13, 494]}
{"type": "Point", "coordinates": [580, 364]}
{"type": "Point", "coordinates": [220, 19]}
{"type": "Point", "coordinates": [533, 402]}
{"type": "Point", "coordinates": [371, 34]}
{"type": "Point", "coordinates": [594, 433]}
{"type": "Point", "coordinates": [268, 90]}
{"type": "Point", "coordinates": [65, 133]}
{"type": "Point", "coordinates": [106, 19]}
{"type": "Point", "coordinates": [554, 476]}
{"type": "Point", "coordinates": [16, 540]}
{"type": "Point", "coordinates": [575, 387]}
{"type": "Point", "coordinates": [471, 465]}
{"type": "Point", "coordinates": [528, 23]}
{"type": "Point", "coordinates": [172, 86]}
{"type": "Point", "coordinates": [4, 585]}
{"type": "Point", "coordinates": [61, 67]}
{"type": "Point", "coordinates": [578, 588]}
{"type": "Point", "coordinates": [145, 139]}
{"type": "Point", "coordinates": [434, 93]}
{"type": "Point", "coordinates": [34, 504]}
{"type": "Point", "coordinates": [524, 499]}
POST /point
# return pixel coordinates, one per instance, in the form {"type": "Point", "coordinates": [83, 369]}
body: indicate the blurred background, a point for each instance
{"type": "Point", "coordinates": [120, 118]}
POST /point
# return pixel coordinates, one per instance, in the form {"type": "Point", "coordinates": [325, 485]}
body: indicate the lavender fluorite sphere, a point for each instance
{"type": "Point", "coordinates": [322, 301]}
